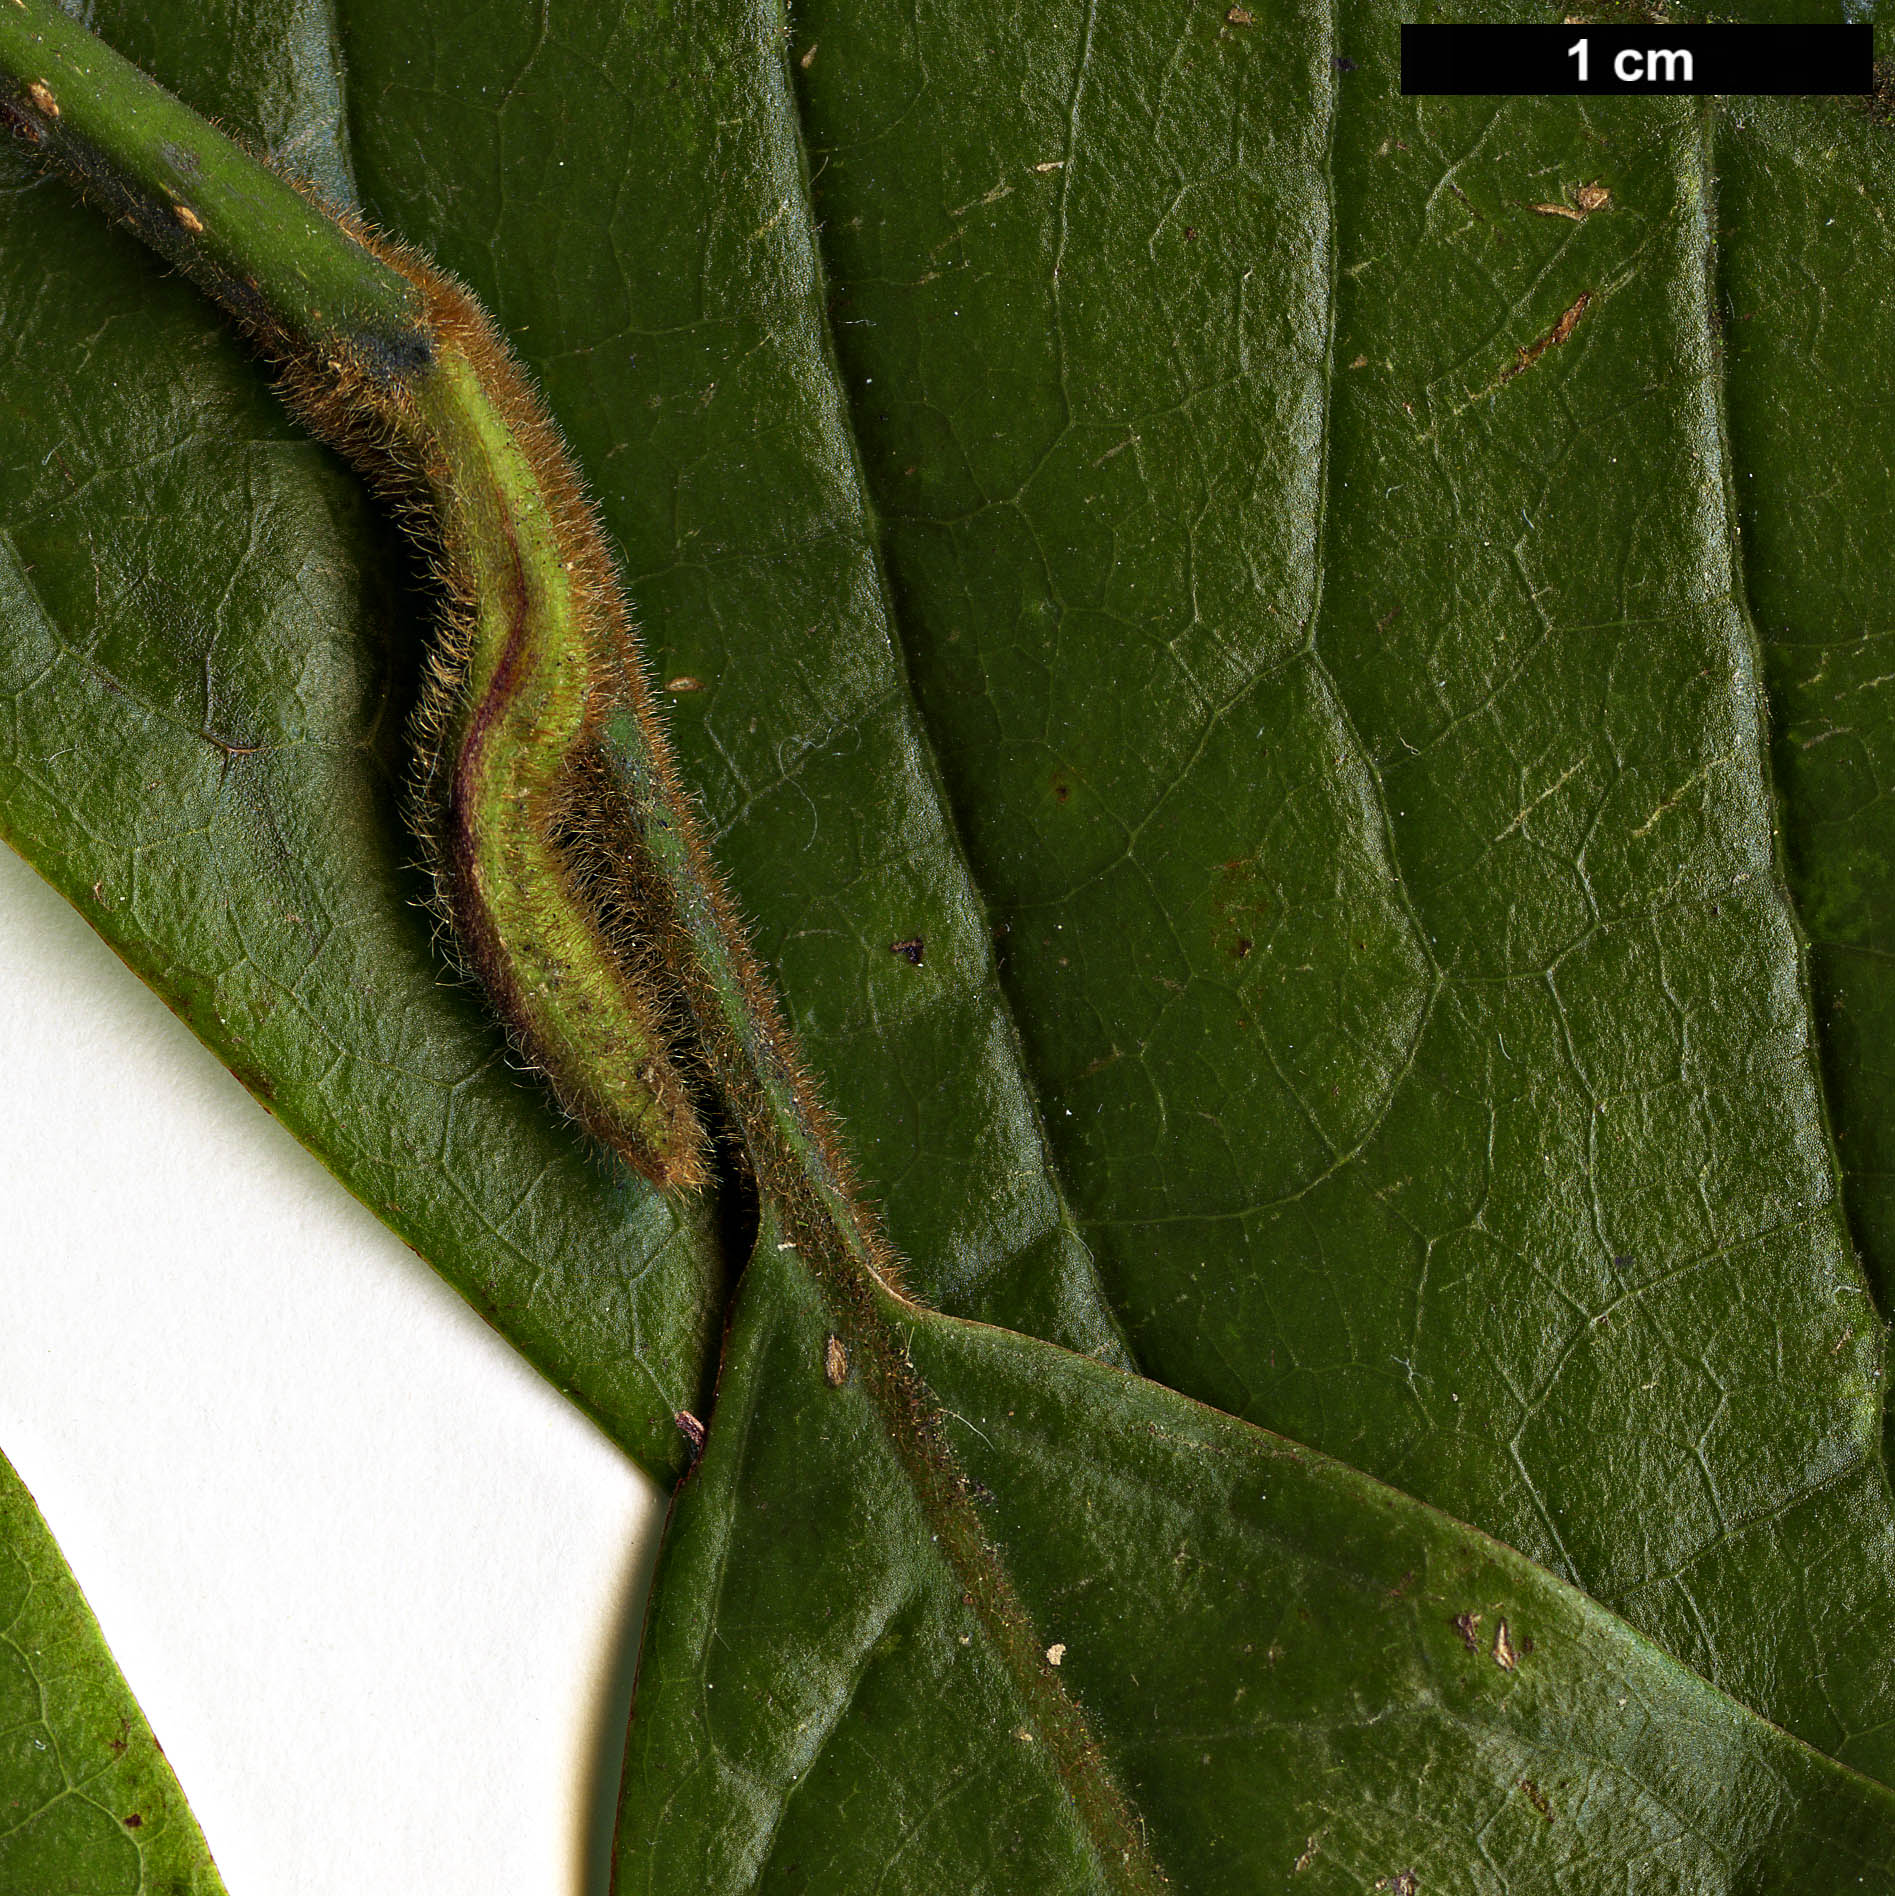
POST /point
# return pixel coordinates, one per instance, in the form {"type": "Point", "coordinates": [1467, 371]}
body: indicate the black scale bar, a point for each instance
{"type": "Point", "coordinates": [1582, 60]}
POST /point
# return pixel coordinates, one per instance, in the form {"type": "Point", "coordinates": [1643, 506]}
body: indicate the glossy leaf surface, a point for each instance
{"type": "Point", "coordinates": [1305, 1680]}
{"type": "Point", "coordinates": [1340, 545]}
{"type": "Point", "coordinates": [88, 1805]}
{"type": "Point", "coordinates": [1314, 514]}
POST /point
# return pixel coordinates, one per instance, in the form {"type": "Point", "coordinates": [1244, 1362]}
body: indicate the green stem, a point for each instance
{"type": "Point", "coordinates": [287, 271]}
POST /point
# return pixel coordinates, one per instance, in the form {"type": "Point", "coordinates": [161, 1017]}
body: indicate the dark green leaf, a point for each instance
{"type": "Point", "coordinates": [1306, 1680]}
{"type": "Point", "coordinates": [676, 317]}
{"type": "Point", "coordinates": [1319, 562]}
{"type": "Point", "coordinates": [1312, 526]}
{"type": "Point", "coordinates": [1809, 339]}
{"type": "Point", "coordinates": [88, 1805]}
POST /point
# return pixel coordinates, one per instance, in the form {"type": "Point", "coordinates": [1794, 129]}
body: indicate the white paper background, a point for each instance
{"type": "Point", "coordinates": [375, 1584]}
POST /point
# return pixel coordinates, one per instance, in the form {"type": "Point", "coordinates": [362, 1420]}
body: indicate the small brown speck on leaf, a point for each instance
{"type": "Point", "coordinates": [1468, 1626]}
{"type": "Point", "coordinates": [1587, 199]}
{"type": "Point", "coordinates": [808, 59]}
{"type": "Point", "coordinates": [911, 950]}
{"type": "Point", "coordinates": [42, 96]}
{"type": "Point", "coordinates": [835, 1362]}
{"type": "Point", "coordinates": [134, 1821]}
{"type": "Point", "coordinates": [1309, 1854]}
{"type": "Point", "coordinates": [1402, 1883]}
{"type": "Point", "coordinates": [685, 683]}
{"type": "Point", "coordinates": [1239, 16]}
{"type": "Point", "coordinates": [693, 1432]}
{"type": "Point", "coordinates": [1503, 1649]}
{"type": "Point", "coordinates": [1537, 1798]}
{"type": "Point", "coordinates": [1530, 352]}
{"type": "Point", "coordinates": [188, 218]}
{"type": "Point", "coordinates": [1054, 1654]}
{"type": "Point", "coordinates": [1361, 362]}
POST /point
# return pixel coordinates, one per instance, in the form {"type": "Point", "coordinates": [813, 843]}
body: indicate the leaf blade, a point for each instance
{"type": "Point", "coordinates": [1416, 996]}
{"type": "Point", "coordinates": [87, 1800]}
{"type": "Point", "coordinates": [760, 586]}
{"type": "Point", "coordinates": [227, 810]}
{"type": "Point", "coordinates": [1327, 1691]}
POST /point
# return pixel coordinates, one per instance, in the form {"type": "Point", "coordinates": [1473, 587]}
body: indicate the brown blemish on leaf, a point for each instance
{"type": "Point", "coordinates": [188, 218]}
{"type": "Point", "coordinates": [693, 1432]}
{"type": "Point", "coordinates": [1361, 362]}
{"type": "Point", "coordinates": [42, 96]}
{"type": "Point", "coordinates": [1239, 16]}
{"type": "Point", "coordinates": [835, 1362]}
{"type": "Point", "coordinates": [1402, 1883]}
{"type": "Point", "coordinates": [1503, 1649]}
{"type": "Point", "coordinates": [911, 949]}
{"type": "Point", "coordinates": [1309, 1854]}
{"type": "Point", "coordinates": [809, 58]}
{"type": "Point", "coordinates": [685, 683]}
{"type": "Point", "coordinates": [1241, 910]}
{"type": "Point", "coordinates": [1055, 1654]}
{"type": "Point", "coordinates": [253, 1080]}
{"type": "Point", "coordinates": [133, 1822]}
{"type": "Point", "coordinates": [1531, 352]}
{"type": "Point", "coordinates": [1402, 1585]}
{"type": "Point", "coordinates": [1537, 1798]}
{"type": "Point", "coordinates": [1586, 199]}
{"type": "Point", "coordinates": [1468, 1626]}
